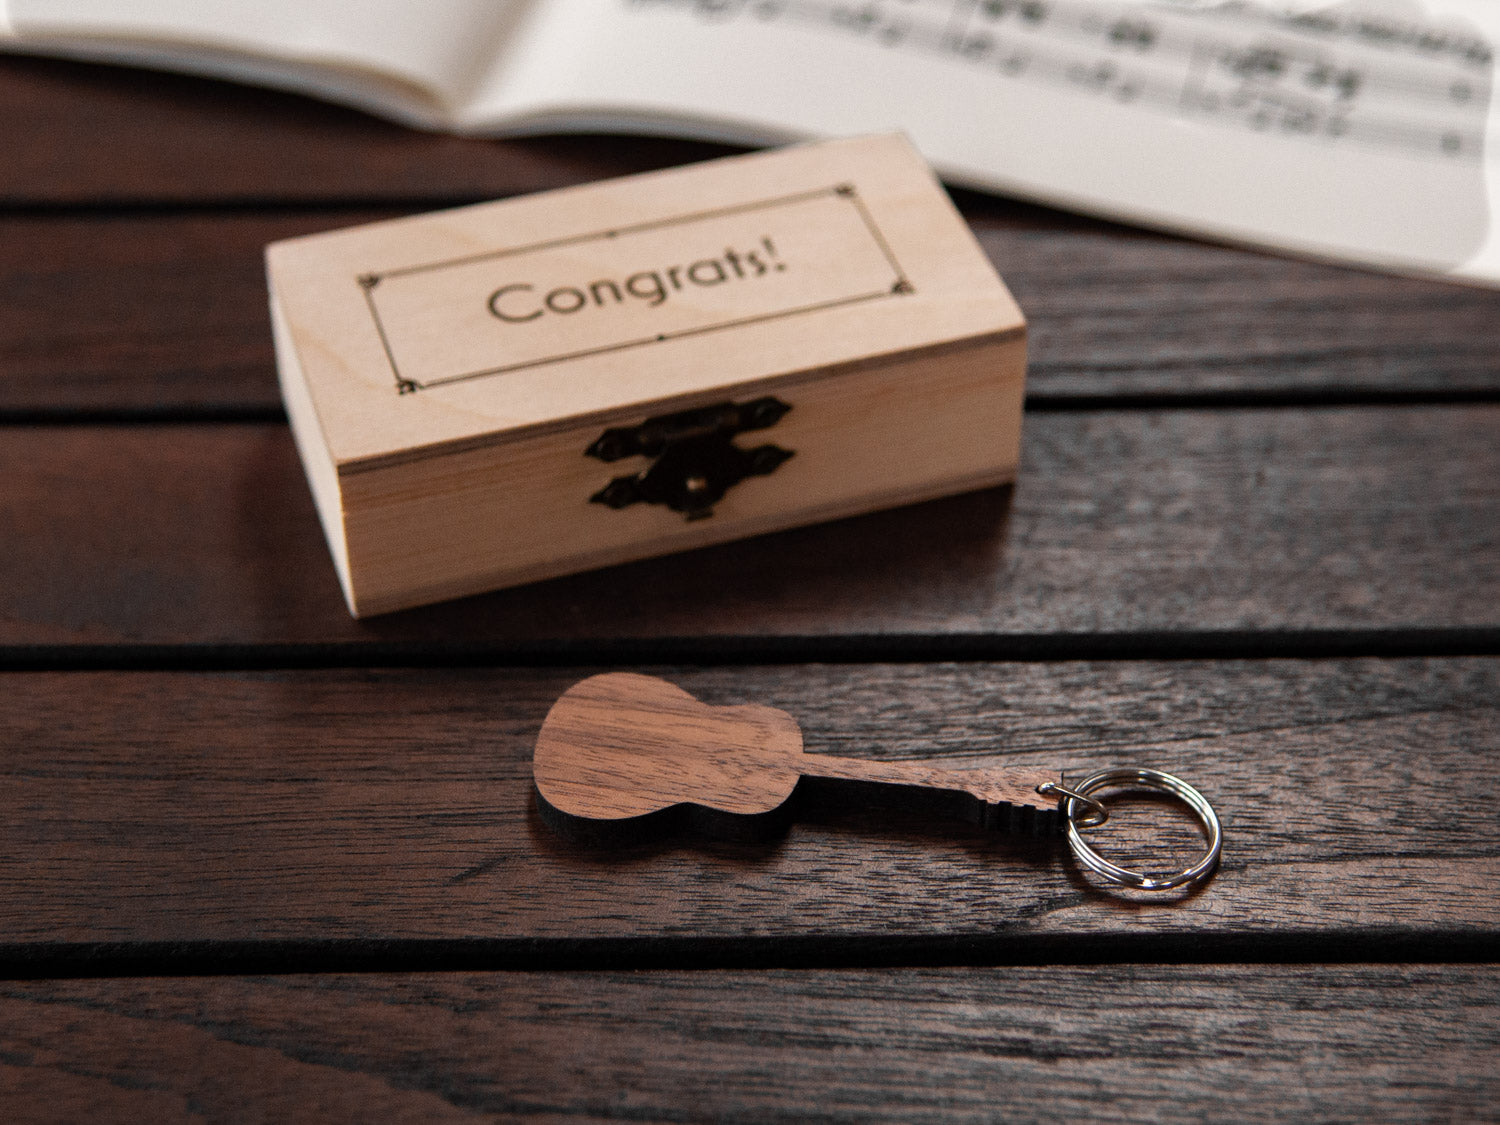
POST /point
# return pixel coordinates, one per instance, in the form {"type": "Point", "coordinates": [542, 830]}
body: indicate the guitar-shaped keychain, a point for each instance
{"type": "Point", "coordinates": [620, 751]}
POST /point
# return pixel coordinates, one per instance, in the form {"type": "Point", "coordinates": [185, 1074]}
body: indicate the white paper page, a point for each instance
{"type": "Point", "coordinates": [365, 52]}
{"type": "Point", "coordinates": [1484, 266]}
{"type": "Point", "coordinates": [1361, 132]}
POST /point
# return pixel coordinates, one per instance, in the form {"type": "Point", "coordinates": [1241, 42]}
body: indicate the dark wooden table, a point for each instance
{"type": "Point", "coordinates": [263, 862]}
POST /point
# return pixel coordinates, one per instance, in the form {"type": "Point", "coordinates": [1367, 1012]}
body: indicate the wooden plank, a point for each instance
{"type": "Point", "coordinates": [81, 135]}
{"type": "Point", "coordinates": [323, 819]}
{"type": "Point", "coordinates": [1114, 312]}
{"type": "Point", "coordinates": [167, 312]}
{"type": "Point", "coordinates": [1121, 1043]}
{"type": "Point", "coordinates": [1122, 523]}
{"type": "Point", "coordinates": [146, 313]}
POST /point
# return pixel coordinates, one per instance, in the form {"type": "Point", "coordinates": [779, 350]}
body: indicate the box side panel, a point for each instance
{"type": "Point", "coordinates": [307, 433]}
{"type": "Point", "coordinates": [864, 439]}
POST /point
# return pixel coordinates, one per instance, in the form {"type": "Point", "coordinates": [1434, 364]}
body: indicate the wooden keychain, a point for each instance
{"type": "Point", "coordinates": [620, 753]}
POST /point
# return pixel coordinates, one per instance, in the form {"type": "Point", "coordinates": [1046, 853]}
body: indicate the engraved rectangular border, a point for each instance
{"type": "Point", "coordinates": [901, 285]}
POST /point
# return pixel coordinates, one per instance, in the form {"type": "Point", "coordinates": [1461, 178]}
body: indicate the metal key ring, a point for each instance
{"type": "Point", "coordinates": [1149, 779]}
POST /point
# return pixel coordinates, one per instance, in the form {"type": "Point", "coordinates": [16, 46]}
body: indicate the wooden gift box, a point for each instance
{"type": "Point", "coordinates": [502, 393]}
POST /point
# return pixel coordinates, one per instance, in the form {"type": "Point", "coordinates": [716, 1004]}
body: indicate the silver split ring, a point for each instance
{"type": "Point", "coordinates": [1074, 814]}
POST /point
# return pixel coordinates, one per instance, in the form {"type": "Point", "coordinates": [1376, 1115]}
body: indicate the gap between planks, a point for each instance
{"type": "Point", "coordinates": [190, 959]}
{"type": "Point", "coordinates": [737, 650]}
{"type": "Point", "coordinates": [1046, 402]}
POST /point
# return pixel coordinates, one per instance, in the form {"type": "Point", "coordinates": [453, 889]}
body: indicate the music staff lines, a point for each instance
{"type": "Point", "coordinates": [1336, 78]}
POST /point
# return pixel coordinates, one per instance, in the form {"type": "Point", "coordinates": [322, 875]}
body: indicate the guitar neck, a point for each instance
{"type": "Point", "coordinates": [1002, 786]}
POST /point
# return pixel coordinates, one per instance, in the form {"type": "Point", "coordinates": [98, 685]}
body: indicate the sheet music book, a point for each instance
{"type": "Point", "coordinates": [1361, 131]}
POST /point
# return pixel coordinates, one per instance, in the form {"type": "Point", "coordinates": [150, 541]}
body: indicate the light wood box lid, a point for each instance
{"type": "Point", "coordinates": [827, 254]}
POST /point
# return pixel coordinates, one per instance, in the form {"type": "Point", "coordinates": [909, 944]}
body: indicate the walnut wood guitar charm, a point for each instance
{"type": "Point", "coordinates": [622, 754]}
{"type": "Point", "coordinates": [624, 750]}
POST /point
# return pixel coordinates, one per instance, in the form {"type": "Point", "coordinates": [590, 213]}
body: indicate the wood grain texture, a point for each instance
{"type": "Point", "coordinates": [1115, 1043]}
{"type": "Point", "coordinates": [1115, 312]}
{"type": "Point", "coordinates": [99, 136]}
{"type": "Point", "coordinates": [366, 808]}
{"type": "Point", "coordinates": [167, 311]}
{"type": "Point", "coordinates": [859, 439]}
{"type": "Point", "coordinates": [1121, 522]}
{"type": "Point", "coordinates": [145, 312]}
{"type": "Point", "coordinates": [620, 745]}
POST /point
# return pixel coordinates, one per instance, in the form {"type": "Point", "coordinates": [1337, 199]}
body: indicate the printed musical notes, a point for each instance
{"type": "Point", "coordinates": [1333, 76]}
{"type": "Point", "coordinates": [1363, 81]}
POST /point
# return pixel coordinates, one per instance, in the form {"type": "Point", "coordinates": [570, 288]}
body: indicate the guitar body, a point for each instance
{"type": "Point", "coordinates": [621, 753]}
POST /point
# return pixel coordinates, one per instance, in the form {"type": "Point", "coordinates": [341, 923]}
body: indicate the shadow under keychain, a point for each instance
{"type": "Point", "coordinates": [621, 754]}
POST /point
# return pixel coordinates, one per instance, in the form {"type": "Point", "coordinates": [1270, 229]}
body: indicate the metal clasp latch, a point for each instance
{"type": "Point", "coordinates": [694, 458]}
